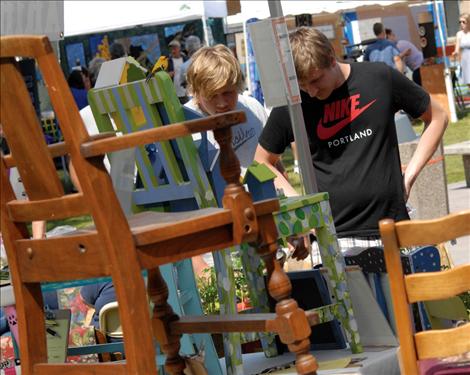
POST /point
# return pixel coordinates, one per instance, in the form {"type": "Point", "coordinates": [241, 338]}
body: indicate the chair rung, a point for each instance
{"type": "Point", "coordinates": [163, 193]}
{"type": "Point", "coordinates": [322, 314]}
{"type": "Point", "coordinates": [98, 348]}
{"type": "Point", "coordinates": [223, 323]}
{"type": "Point", "coordinates": [185, 297]}
{"type": "Point", "coordinates": [82, 369]}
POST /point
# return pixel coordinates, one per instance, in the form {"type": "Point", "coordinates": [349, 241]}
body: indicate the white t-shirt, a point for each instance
{"type": "Point", "coordinates": [92, 128]}
{"type": "Point", "coordinates": [244, 136]}
{"type": "Point", "coordinates": [122, 168]}
{"type": "Point", "coordinates": [89, 120]}
{"type": "Point", "coordinates": [177, 63]}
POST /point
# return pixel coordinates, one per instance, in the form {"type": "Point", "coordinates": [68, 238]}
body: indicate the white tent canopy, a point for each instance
{"type": "Point", "coordinates": [81, 17]}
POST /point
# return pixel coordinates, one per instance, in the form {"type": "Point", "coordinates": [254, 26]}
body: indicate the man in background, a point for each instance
{"type": "Point", "coordinates": [192, 44]}
{"type": "Point", "coordinates": [411, 56]}
{"type": "Point", "coordinates": [116, 50]}
{"type": "Point", "coordinates": [383, 50]}
{"type": "Point", "coordinates": [175, 63]}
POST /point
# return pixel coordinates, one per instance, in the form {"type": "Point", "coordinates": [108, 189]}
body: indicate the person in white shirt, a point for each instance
{"type": "Point", "coordinates": [175, 63]}
{"type": "Point", "coordinates": [462, 47]}
{"type": "Point", "coordinates": [192, 44]}
{"type": "Point", "coordinates": [215, 81]}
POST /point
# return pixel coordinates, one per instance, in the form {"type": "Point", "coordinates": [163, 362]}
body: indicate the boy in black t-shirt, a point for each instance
{"type": "Point", "coordinates": [349, 116]}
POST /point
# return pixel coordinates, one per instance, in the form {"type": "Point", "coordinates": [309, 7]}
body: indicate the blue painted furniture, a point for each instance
{"type": "Point", "coordinates": [172, 177]}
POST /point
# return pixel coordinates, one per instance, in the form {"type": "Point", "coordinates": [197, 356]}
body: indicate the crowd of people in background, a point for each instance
{"type": "Point", "coordinates": [81, 78]}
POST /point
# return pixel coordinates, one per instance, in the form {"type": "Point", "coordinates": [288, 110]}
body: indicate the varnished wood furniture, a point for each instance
{"type": "Point", "coordinates": [121, 247]}
{"type": "Point", "coordinates": [425, 287]}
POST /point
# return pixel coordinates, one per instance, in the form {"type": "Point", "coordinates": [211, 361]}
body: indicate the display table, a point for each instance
{"type": "Point", "coordinates": [373, 361]}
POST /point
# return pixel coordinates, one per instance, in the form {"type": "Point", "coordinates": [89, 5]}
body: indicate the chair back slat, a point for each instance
{"type": "Point", "coordinates": [425, 232]}
{"type": "Point", "coordinates": [430, 286]}
{"type": "Point", "coordinates": [443, 342]}
{"type": "Point", "coordinates": [105, 104]}
{"type": "Point", "coordinates": [83, 249]}
{"type": "Point", "coordinates": [24, 136]}
{"type": "Point", "coordinates": [55, 149]}
{"type": "Point", "coordinates": [51, 209]}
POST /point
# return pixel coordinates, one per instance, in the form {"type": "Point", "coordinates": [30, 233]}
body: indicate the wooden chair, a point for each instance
{"type": "Point", "coordinates": [122, 247]}
{"type": "Point", "coordinates": [425, 287]}
{"type": "Point", "coordinates": [139, 105]}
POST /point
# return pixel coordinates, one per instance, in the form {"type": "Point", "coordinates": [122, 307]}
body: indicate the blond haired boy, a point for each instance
{"type": "Point", "coordinates": [215, 82]}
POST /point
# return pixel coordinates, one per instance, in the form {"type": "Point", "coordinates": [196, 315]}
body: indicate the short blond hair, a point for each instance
{"type": "Point", "coordinates": [311, 50]}
{"type": "Point", "coordinates": [212, 69]}
{"type": "Point", "coordinates": [466, 17]}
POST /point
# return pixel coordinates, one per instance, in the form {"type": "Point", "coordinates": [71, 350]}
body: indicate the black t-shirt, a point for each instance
{"type": "Point", "coordinates": [354, 145]}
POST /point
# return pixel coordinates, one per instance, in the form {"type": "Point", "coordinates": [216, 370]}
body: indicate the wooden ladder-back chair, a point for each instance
{"type": "Point", "coordinates": [425, 287]}
{"type": "Point", "coordinates": [122, 247]}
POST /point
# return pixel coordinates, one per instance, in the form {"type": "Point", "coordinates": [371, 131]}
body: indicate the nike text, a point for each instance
{"type": "Point", "coordinates": [344, 112]}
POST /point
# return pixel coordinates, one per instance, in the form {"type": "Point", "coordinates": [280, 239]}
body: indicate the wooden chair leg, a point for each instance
{"type": "Point", "coordinates": [100, 338]}
{"type": "Point", "coordinates": [162, 316]}
{"type": "Point", "coordinates": [33, 350]}
{"type": "Point", "coordinates": [291, 321]}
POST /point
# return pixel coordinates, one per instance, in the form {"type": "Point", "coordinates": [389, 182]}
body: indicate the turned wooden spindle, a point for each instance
{"type": "Point", "coordinates": [291, 323]}
{"type": "Point", "coordinates": [162, 316]}
{"type": "Point", "coordinates": [229, 164]}
{"type": "Point", "coordinates": [245, 225]}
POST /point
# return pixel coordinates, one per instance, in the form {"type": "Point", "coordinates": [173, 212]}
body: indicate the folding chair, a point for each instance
{"type": "Point", "coordinates": [426, 286]}
{"type": "Point", "coordinates": [122, 247]}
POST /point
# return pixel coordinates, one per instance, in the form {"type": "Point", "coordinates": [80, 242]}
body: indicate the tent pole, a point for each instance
{"type": "Point", "coordinates": [298, 126]}
{"type": "Point", "coordinates": [447, 76]}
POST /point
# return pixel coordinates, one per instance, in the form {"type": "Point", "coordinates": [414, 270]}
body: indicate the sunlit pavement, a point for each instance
{"type": "Point", "coordinates": [459, 199]}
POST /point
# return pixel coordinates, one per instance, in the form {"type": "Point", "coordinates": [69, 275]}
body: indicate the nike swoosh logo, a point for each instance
{"type": "Point", "coordinates": [326, 133]}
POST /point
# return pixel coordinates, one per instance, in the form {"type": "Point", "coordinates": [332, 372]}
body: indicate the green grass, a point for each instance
{"type": "Point", "coordinates": [294, 178]}
{"type": "Point", "coordinates": [455, 133]}
{"type": "Point", "coordinates": [77, 222]}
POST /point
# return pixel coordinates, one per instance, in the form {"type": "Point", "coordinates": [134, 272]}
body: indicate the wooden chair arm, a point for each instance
{"type": "Point", "coordinates": [57, 149]}
{"type": "Point", "coordinates": [164, 133]}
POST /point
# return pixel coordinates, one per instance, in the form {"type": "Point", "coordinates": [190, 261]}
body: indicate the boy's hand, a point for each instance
{"type": "Point", "coordinates": [299, 247]}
